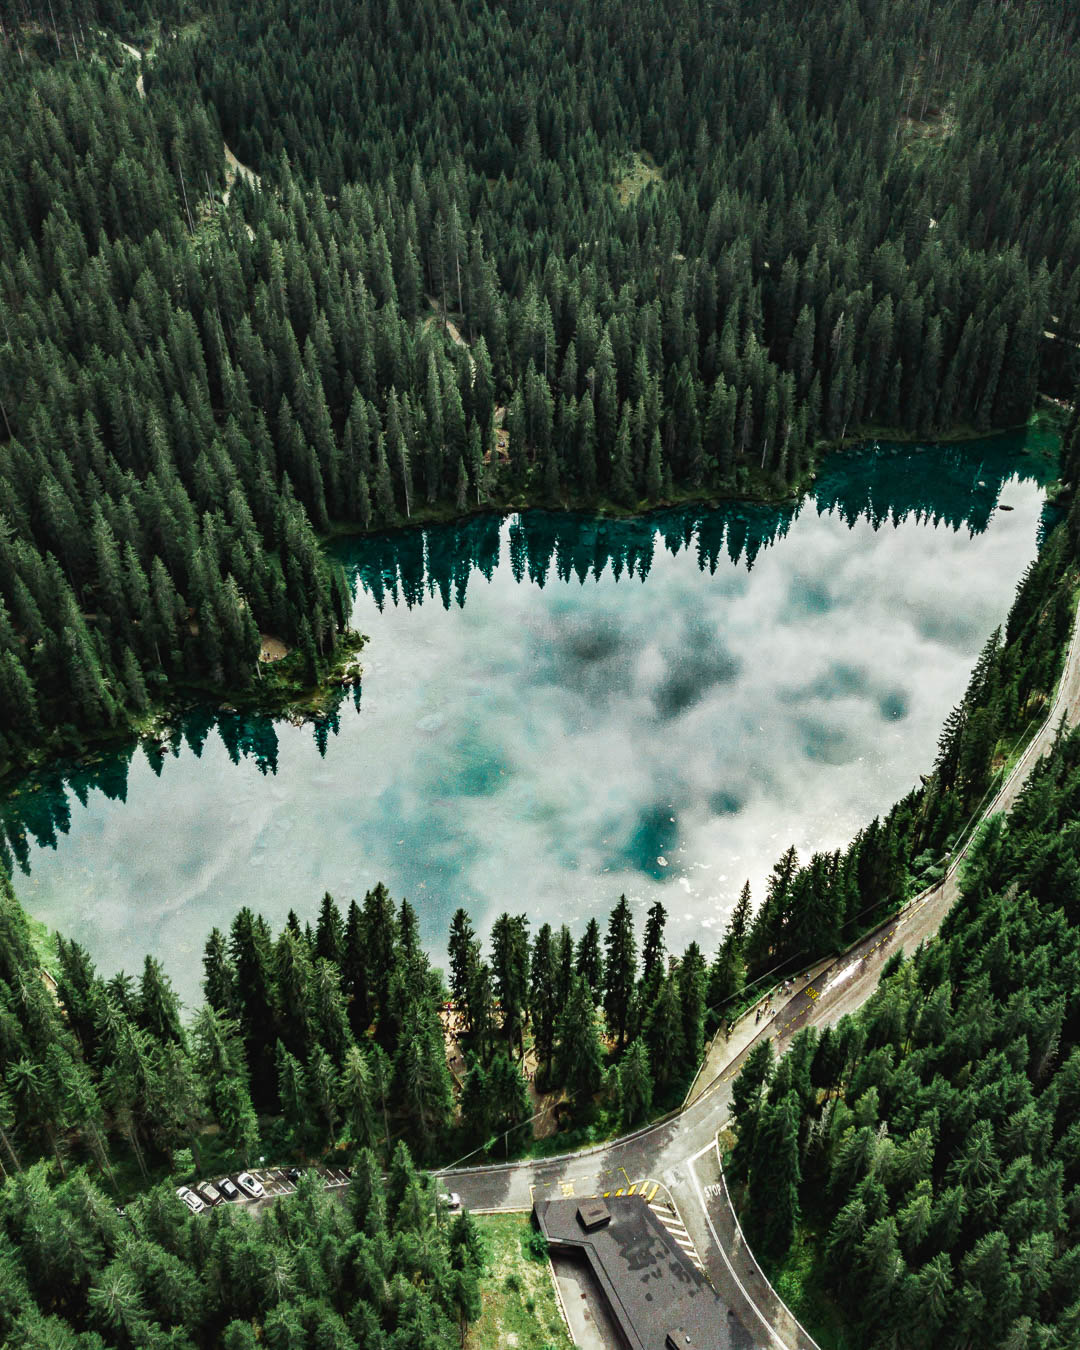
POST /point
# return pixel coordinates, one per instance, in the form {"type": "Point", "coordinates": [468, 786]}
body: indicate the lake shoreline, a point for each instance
{"type": "Point", "coordinates": [283, 694]}
{"type": "Point", "coordinates": [755, 488]}
{"type": "Point", "coordinates": [405, 823]}
{"type": "Point", "coordinates": [280, 692]}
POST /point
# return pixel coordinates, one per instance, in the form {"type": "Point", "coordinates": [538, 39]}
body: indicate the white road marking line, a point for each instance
{"type": "Point", "coordinates": [731, 1269]}
{"type": "Point", "coordinates": [742, 1238]}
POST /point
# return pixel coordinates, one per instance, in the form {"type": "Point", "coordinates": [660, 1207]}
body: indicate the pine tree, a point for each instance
{"type": "Point", "coordinates": [330, 932]}
{"type": "Point", "coordinates": [652, 951]}
{"type": "Point", "coordinates": [620, 969]}
{"type": "Point", "coordinates": [579, 1056]}
{"type": "Point", "coordinates": [510, 968]}
{"type": "Point", "coordinates": [544, 993]}
{"type": "Point", "coordinates": [634, 1085]}
{"type": "Point", "coordinates": [158, 1005]}
{"type": "Point", "coordinates": [588, 961]}
{"type": "Point", "coordinates": [747, 1100]}
{"type": "Point", "coordinates": [356, 1098]}
{"type": "Point", "coordinates": [663, 1033]}
{"type": "Point", "coordinates": [775, 1175]}
{"type": "Point", "coordinates": [692, 983]}
{"type": "Point", "coordinates": [461, 950]}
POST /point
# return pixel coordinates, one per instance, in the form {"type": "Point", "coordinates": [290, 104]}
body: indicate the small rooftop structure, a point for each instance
{"type": "Point", "coordinates": [593, 1214]}
{"type": "Point", "coordinates": [655, 1295]}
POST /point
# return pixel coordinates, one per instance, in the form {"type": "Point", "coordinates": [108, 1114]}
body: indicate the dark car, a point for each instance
{"type": "Point", "coordinates": [228, 1188]}
{"type": "Point", "coordinates": [293, 1174]}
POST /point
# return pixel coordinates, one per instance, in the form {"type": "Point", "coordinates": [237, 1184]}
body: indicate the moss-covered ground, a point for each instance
{"type": "Point", "coordinates": [520, 1311]}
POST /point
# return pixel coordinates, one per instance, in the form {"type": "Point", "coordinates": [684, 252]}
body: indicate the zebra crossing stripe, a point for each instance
{"type": "Point", "coordinates": [668, 1216]}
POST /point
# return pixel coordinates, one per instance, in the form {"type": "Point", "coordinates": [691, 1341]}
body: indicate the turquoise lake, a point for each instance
{"type": "Point", "coordinates": [557, 708]}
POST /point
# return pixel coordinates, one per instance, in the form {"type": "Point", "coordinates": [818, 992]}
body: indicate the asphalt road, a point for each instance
{"type": "Point", "coordinates": [682, 1153]}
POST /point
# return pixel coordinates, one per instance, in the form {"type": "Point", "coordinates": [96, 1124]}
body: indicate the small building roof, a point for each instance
{"type": "Point", "coordinates": [656, 1295]}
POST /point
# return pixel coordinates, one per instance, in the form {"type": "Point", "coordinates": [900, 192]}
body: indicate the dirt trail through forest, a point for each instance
{"type": "Point", "coordinates": [235, 168]}
{"type": "Point", "coordinates": [455, 333]}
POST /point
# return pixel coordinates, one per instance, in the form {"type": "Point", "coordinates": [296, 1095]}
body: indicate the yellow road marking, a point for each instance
{"type": "Point", "coordinates": [655, 1188]}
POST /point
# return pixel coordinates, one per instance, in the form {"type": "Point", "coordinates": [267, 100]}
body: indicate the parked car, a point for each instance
{"type": "Point", "coordinates": [227, 1187]}
{"type": "Point", "coordinates": [209, 1193]}
{"type": "Point", "coordinates": [451, 1199]}
{"type": "Point", "coordinates": [293, 1174]}
{"type": "Point", "coordinates": [190, 1199]}
{"type": "Point", "coordinates": [250, 1186]}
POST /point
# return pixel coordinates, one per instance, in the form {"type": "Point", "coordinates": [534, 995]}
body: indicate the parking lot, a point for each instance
{"type": "Point", "coordinates": [275, 1182]}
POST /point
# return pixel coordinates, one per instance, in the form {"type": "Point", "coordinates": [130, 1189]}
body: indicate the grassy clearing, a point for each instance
{"type": "Point", "coordinates": [634, 174]}
{"type": "Point", "coordinates": [519, 1306]}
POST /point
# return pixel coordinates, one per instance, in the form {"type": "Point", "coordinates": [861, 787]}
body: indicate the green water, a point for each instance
{"type": "Point", "coordinates": [559, 708]}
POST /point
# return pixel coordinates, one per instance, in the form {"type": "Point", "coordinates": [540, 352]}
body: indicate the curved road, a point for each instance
{"type": "Point", "coordinates": [681, 1153]}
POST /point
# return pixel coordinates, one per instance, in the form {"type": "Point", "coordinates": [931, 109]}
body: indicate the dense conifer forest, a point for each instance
{"type": "Point", "coordinates": [606, 254]}
{"type": "Point", "coordinates": [928, 1149]}
{"type": "Point", "coordinates": [496, 253]}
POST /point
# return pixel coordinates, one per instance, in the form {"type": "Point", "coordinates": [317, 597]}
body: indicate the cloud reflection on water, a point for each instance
{"type": "Point", "coordinates": [543, 748]}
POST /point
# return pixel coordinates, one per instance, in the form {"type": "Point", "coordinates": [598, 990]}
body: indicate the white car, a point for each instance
{"type": "Point", "coordinates": [250, 1186]}
{"type": "Point", "coordinates": [190, 1199]}
{"type": "Point", "coordinates": [451, 1200]}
